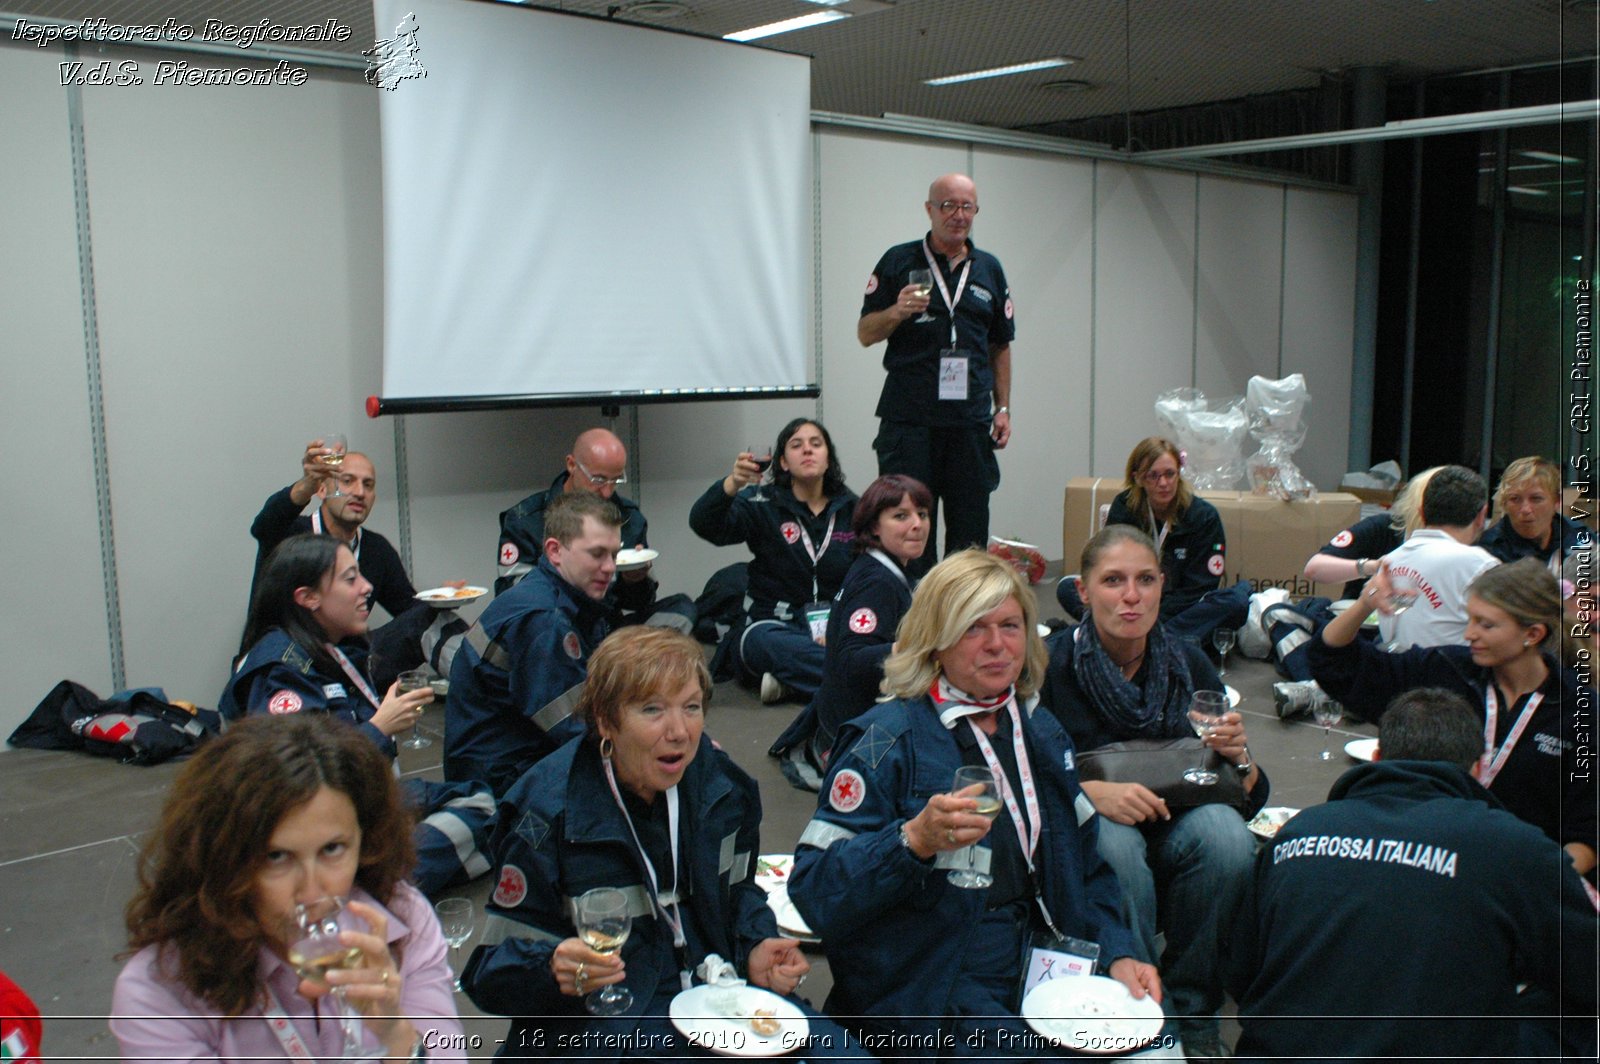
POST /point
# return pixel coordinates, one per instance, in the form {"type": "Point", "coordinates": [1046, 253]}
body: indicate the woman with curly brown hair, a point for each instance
{"type": "Point", "coordinates": [281, 811]}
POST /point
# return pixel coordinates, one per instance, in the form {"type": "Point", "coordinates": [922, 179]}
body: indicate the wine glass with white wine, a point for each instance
{"type": "Point", "coordinates": [416, 680]}
{"type": "Point", "coordinates": [603, 924]}
{"type": "Point", "coordinates": [1326, 712]}
{"type": "Point", "coordinates": [1223, 639]}
{"type": "Point", "coordinates": [1403, 592]}
{"type": "Point", "coordinates": [315, 950]}
{"type": "Point", "coordinates": [1206, 710]}
{"type": "Point", "coordinates": [457, 920]}
{"type": "Point", "coordinates": [335, 445]}
{"type": "Point", "coordinates": [989, 802]}
{"type": "Point", "coordinates": [923, 279]}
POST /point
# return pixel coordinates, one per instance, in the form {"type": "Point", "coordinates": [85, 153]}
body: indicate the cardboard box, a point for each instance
{"type": "Point", "coordinates": [1268, 540]}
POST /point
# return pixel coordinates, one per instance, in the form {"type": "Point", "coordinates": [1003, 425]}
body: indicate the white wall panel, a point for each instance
{"type": "Point", "coordinates": [1238, 283]}
{"type": "Point", "coordinates": [1319, 297]}
{"type": "Point", "coordinates": [1038, 217]}
{"type": "Point", "coordinates": [1144, 303]}
{"type": "Point", "coordinates": [51, 580]}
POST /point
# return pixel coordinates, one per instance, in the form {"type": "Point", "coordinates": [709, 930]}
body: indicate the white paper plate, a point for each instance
{"type": "Point", "coordinates": [1092, 1014]}
{"type": "Point", "coordinates": [773, 871]}
{"type": "Point", "coordinates": [446, 598]}
{"type": "Point", "coordinates": [694, 1012]}
{"type": "Point", "coordinates": [1234, 697]}
{"type": "Point", "coordinates": [629, 560]}
{"type": "Point", "coordinates": [1361, 749]}
{"type": "Point", "coordinates": [1267, 822]}
{"type": "Point", "coordinates": [790, 922]}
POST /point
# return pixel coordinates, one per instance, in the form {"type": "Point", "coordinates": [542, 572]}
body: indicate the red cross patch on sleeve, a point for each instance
{"type": "Point", "coordinates": [1214, 566]}
{"type": "Point", "coordinates": [1343, 539]}
{"type": "Point", "coordinates": [863, 621]}
{"type": "Point", "coordinates": [569, 643]}
{"type": "Point", "coordinates": [509, 554]}
{"type": "Point", "coordinates": [284, 702]}
{"type": "Point", "coordinates": [511, 889]}
{"type": "Point", "coordinates": [849, 790]}
{"type": "Point", "coordinates": [872, 284]}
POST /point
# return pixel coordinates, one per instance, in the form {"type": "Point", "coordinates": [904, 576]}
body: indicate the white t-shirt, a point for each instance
{"type": "Point", "coordinates": [1442, 567]}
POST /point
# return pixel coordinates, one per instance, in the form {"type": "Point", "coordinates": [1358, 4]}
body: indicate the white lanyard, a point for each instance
{"type": "Point", "coordinates": [670, 915]}
{"type": "Point", "coordinates": [355, 675]}
{"type": "Point", "coordinates": [278, 1022]}
{"type": "Point", "coordinates": [1161, 529]}
{"type": "Point", "coordinates": [813, 553]}
{"type": "Point", "coordinates": [1492, 761]}
{"type": "Point", "coordinates": [1027, 831]}
{"type": "Point", "coordinates": [938, 279]}
{"type": "Point", "coordinates": [316, 526]}
{"type": "Point", "coordinates": [1553, 563]}
{"type": "Point", "coordinates": [890, 565]}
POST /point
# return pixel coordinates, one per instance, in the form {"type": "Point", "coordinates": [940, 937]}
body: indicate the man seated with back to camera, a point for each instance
{"type": "Point", "coordinates": [597, 464]}
{"type": "Point", "coordinates": [515, 683]}
{"type": "Point", "coordinates": [398, 645]}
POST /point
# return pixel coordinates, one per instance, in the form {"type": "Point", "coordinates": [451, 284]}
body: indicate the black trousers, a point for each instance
{"type": "Point", "coordinates": [958, 465]}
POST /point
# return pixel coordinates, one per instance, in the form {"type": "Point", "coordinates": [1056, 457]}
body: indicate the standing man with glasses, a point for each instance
{"type": "Point", "coordinates": [945, 405]}
{"type": "Point", "coordinates": [598, 464]}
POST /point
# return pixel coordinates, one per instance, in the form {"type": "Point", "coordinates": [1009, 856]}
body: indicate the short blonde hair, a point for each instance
{"type": "Point", "coordinates": [948, 601]}
{"type": "Point", "coordinates": [1540, 470]}
{"type": "Point", "coordinates": [634, 663]}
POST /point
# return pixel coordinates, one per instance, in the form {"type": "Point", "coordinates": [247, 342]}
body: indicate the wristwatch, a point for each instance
{"type": "Point", "coordinates": [1244, 767]}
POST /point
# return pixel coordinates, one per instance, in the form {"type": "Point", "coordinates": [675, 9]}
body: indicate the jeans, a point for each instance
{"type": "Point", "coordinates": [785, 649]}
{"type": "Point", "coordinates": [1188, 876]}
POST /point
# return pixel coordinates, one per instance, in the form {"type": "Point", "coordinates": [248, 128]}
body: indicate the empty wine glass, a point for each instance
{"type": "Point", "coordinates": [315, 950]}
{"type": "Point", "coordinates": [416, 680]}
{"type": "Point", "coordinates": [1223, 639]}
{"type": "Point", "coordinates": [457, 920]}
{"type": "Point", "coordinates": [968, 777]}
{"type": "Point", "coordinates": [603, 924]}
{"type": "Point", "coordinates": [1206, 709]}
{"type": "Point", "coordinates": [1326, 712]}
{"type": "Point", "coordinates": [335, 444]}
{"type": "Point", "coordinates": [761, 455]}
{"type": "Point", "coordinates": [923, 279]}
{"type": "Point", "coordinates": [1403, 592]}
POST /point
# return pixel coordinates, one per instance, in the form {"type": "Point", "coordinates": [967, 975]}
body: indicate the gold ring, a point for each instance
{"type": "Point", "coordinates": [950, 835]}
{"type": "Point", "coordinates": [385, 977]}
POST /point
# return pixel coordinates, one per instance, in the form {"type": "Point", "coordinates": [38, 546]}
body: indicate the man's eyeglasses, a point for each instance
{"type": "Point", "coordinates": [598, 481]}
{"type": "Point", "coordinates": [1160, 476]}
{"type": "Point", "coordinates": [951, 206]}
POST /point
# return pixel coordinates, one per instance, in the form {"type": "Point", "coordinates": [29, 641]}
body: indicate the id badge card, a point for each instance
{"type": "Point", "coordinates": [1052, 957]}
{"type": "Point", "coordinates": [817, 619]}
{"type": "Point", "coordinates": [952, 374]}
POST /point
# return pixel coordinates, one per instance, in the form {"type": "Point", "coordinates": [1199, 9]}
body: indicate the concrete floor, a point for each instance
{"type": "Point", "coordinates": [70, 826]}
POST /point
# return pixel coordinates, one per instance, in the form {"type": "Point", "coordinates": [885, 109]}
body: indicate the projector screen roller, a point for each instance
{"type": "Point", "coordinates": [579, 208]}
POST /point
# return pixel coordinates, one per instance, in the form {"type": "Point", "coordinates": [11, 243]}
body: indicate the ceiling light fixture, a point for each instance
{"type": "Point", "coordinates": [1000, 72]}
{"type": "Point", "coordinates": [660, 9]}
{"type": "Point", "coordinates": [787, 25]}
{"type": "Point", "coordinates": [1068, 85]}
{"type": "Point", "coordinates": [1550, 157]}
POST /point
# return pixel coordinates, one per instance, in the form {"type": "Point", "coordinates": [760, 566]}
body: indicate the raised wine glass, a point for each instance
{"type": "Point", "coordinates": [1403, 592]}
{"type": "Point", "coordinates": [1206, 709]}
{"type": "Point", "coordinates": [457, 920]}
{"type": "Point", "coordinates": [603, 924]}
{"type": "Point", "coordinates": [968, 777]}
{"type": "Point", "coordinates": [1223, 639]}
{"type": "Point", "coordinates": [416, 680]}
{"type": "Point", "coordinates": [1326, 712]}
{"type": "Point", "coordinates": [315, 950]}
{"type": "Point", "coordinates": [761, 455]}
{"type": "Point", "coordinates": [923, 279]}
{"type": "Point", "coordinates": [336, 446]}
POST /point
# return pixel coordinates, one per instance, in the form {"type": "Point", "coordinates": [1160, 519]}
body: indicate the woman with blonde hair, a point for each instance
{"type": "Point", "coordinates": [1509, 669]}
{"type": "Point", "coordinates": [911, 950]}
{"type": "Point", "coordinates": [1531, 524]}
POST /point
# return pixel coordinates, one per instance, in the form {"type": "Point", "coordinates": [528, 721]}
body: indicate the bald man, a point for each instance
{"type": "Point", "coordinates": [597, 464]}
{"type": "Point", "coordinates": [945, 405]}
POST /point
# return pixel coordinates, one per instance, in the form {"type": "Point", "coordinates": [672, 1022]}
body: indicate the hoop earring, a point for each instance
{"type": "Point", "coordinates": [607, 748]}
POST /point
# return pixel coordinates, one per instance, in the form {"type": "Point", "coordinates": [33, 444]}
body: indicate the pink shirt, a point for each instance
{"type": "Point", "coordinates": [156, 1018]}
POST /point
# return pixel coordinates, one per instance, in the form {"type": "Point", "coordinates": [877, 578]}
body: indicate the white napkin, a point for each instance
{"type": "Point", "coordinates": [714, 971]}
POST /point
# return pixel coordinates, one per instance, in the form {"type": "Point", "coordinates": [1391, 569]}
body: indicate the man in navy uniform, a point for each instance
{"type": "Point", "coordinates": [514, 684]}
{"type": "Point", "coordinates": [945, 405]}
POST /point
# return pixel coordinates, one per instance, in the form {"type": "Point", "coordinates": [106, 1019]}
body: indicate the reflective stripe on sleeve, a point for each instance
{"type": "Point", "coordinates": [497, 928]}
{"type": "Point", "coordinates": [559, 708]}
{"type": "Point", "coordinates": [1084, 808]}
{"type": "Point", "coordinates": [822, 834]}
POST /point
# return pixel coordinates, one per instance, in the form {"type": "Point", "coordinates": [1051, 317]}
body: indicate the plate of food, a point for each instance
{"type": "Point", "coordinates": [1267, 822]}
{"type": "Point", "coordinates": [1362, 749]}
{"type": "Point", "coordinates": [629, 560]}
{"type": "Point", "coordinates": [1092, 1014]}
{"type": "Point", "coordinates": [773, 870]}
{"type": "Point", "coordinates": [447, 597]}
{"type": "Point", "coordinates": [739, 1021]}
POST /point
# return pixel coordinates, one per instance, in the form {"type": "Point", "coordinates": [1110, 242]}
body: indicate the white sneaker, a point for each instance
{"type": "Point", "coordinates": [771, 689]}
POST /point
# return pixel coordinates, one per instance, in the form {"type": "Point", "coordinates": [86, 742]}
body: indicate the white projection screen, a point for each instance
{"type": "Point", "coordinates": [578, 208]}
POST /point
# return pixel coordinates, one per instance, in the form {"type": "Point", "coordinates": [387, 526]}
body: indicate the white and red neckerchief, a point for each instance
{"type": "Point", "coordinates": [355, 541]}
{"type": "Point", "coordinates": [938, 279]}
{"type": "Point", "coordinates": [1492, 760]}
{"type": "Point", "coordinates": [813, 553]}
{"type": "Point", "coordinates": [953, 705]}
{"type": "Point", "coordinates": [667, 910]}
{"type": "Point", "coordinates": [354, 673]}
